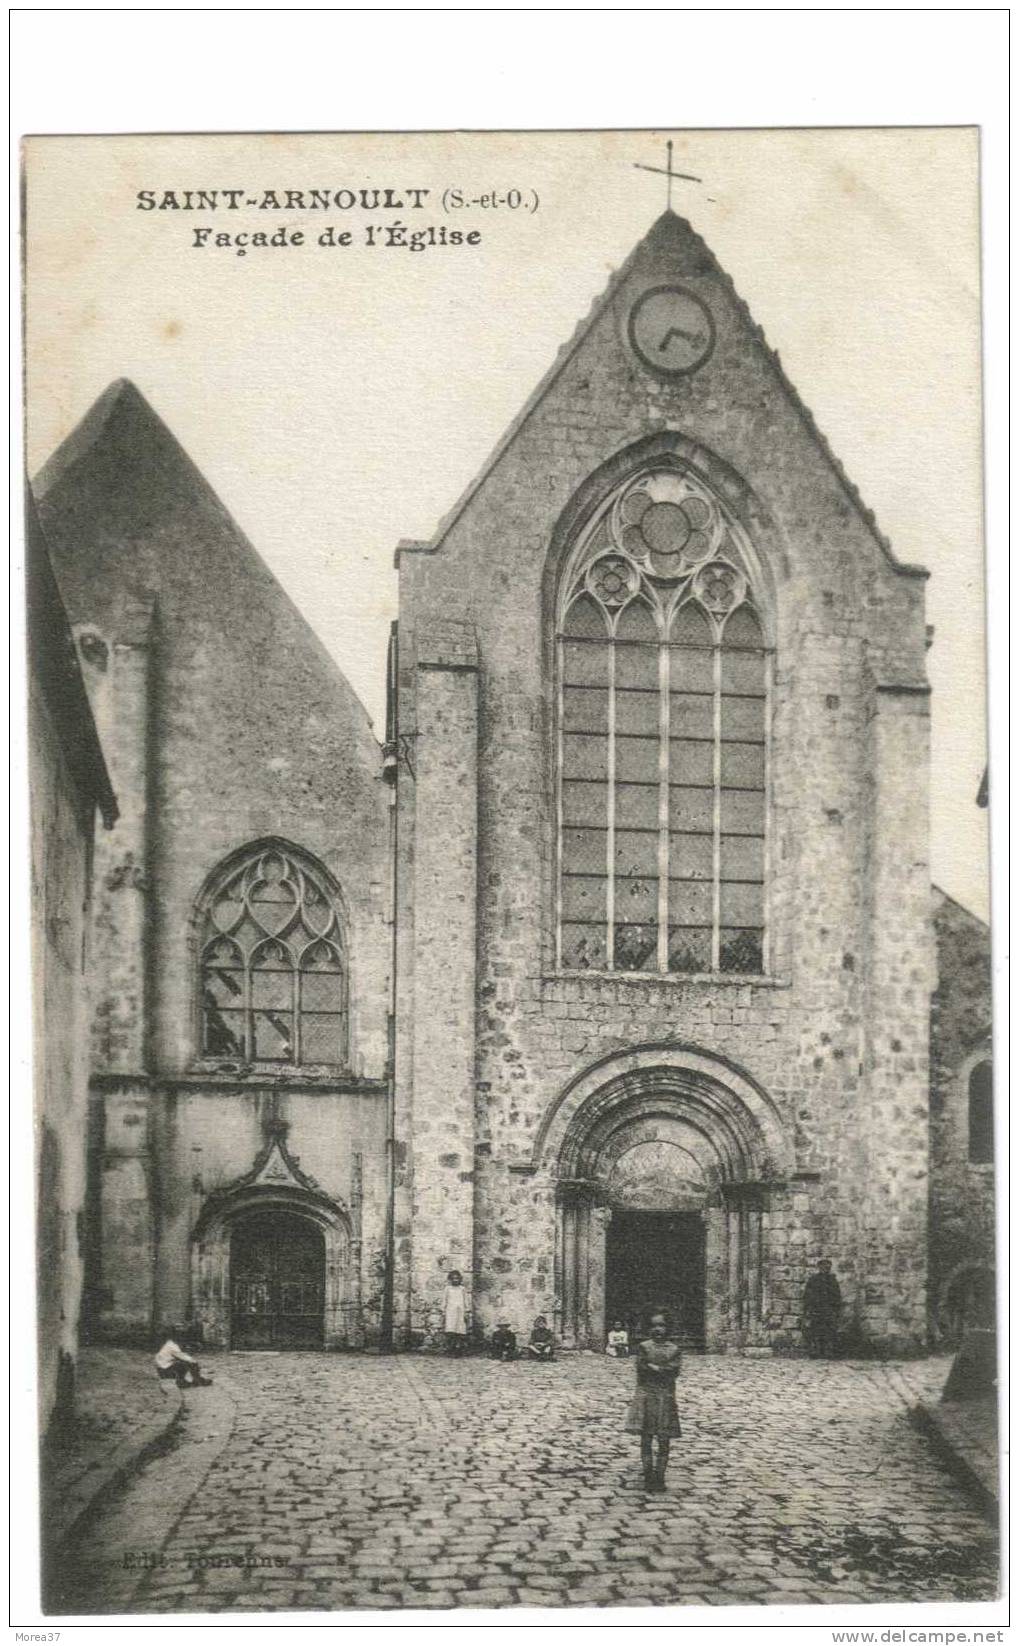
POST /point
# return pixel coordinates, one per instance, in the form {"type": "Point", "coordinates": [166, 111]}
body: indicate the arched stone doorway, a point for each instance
{"type": "Point", "coordinates": [665, 1166]}
{"type": "Point", "coordinates": [277, 1281]}
{"type": "Point", "coordinates": [274, 1262]}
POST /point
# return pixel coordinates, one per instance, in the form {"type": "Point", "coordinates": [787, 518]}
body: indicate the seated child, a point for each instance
{"type": "Point", "coordinates": [172, 1362]}
{"type": "Point", "coordinates": [542, 1344]}
{"type": "Point", "coordinates": [618, 1343]}
{"type": "Point", "coordinates": [502, 1344]}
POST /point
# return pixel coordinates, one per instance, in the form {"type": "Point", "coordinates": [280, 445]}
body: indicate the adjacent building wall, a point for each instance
{"type": "Point", "coordinates": [68, 785]}
{"type": "Point", "coordinates": [962, 1209]}
{"type": "Point", "coordinates": [226, 724]}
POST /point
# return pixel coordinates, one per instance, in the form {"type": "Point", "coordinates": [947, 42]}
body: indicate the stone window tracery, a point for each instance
{"type": "Point", "coordinates": [272, 969]}
{"type": "Point", "coordinates": [663, 680]}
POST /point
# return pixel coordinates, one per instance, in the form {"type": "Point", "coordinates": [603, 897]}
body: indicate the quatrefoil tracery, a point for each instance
{"type": "Point", "coordinates": [664, 540]}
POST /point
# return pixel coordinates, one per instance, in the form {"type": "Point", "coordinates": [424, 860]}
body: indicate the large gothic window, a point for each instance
{"type": "Point", "coordinates": [662, 681]}
{"type": "Point", "coordinates": [273, 978]}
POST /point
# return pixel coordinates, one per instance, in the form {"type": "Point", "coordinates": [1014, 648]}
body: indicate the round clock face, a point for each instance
{"type": "Point", "coordinates": [671, 330]}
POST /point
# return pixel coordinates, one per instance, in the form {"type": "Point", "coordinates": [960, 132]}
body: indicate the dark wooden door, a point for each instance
{"type": "Point", "coordinates": [655, 1263]}
{"type": "Point", "coordinates": [277, 1282]}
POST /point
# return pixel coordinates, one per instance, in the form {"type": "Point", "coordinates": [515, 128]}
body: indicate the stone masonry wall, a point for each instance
{"type": "Point", "coordinates": [227, 723]}
{"type": "Point", "coordinates": [962, 1208]}
{"type": "Point", "coordinates": [845, 620]}
{"type": "Point", "coordinates": [61, 839]}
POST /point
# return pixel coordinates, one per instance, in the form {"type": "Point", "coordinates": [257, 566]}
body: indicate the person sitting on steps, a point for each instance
{"type": "Point", "coordinates": [542, 1343]}
{"type": "Point", "coordinates": [502, 1345]}
{"type": "Point", "coordinates": [172, 1363]}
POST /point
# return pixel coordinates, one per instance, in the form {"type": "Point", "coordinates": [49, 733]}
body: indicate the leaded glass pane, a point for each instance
{"type": "Point", "coordinates": [583, 947]}
{"type": "Point", "coordinates": [743, 718]}
{"type": "Point", "coordinates": [742, 813]}
{"type": "Point", "coordinates": [585, 709]}
{"type": "Point", "coordinates": [636, 898]}
{"type": "Point", "coordinates": [742, 904]}
{"type": "Point", "coordinates": [636, 806]}
{"type": "Point", "coordinates": [322, 1036]}
{"type": "Point", "coordinates": [585, 620]}
{"type": "Point", "coordinates": [691, 716]}
{"type": "Point", "coordinates": [689, 949]}
{"type": "Point", "coordinates": [691, 762]}
{"type": "Point", "coordinates": [742, 858]}
{"type": "Point", "coordinates": [585, 850]}
{"type": "Point", "coordinates": [691, 856]}
{"type": "Point", "coordinates": [321, 991]}
{"type": "Point", "coordinates": [636, 948]}
{"type": "Point", "coordinates": [742, 629]}
{"type": "Point", "coordinates": [584, 897]}
{"type": "Point", "coordinates": [585, 802]}
{"type": "Point", "coordinates": [637, 622]}
{"type": "Point", "coordinates": [690, 902]}
{"type": "Point", "coordinates": [692, 671]}
{"type": "Point", "coordinates": [637, 666]}
{"type": "Point", "coordinates": [691, 627]}
{"type": "Point", "coordinates": [585, 755]}
{"type": "Point", "coordinates": [691, 809]}
{"type": "Point", "coordinates": [742, 766]}
{"type": "Point", "coordinates": [743, 672]}
{"type": "Point", "coordinates": [585, 663]}
{"type": "Point", "coordinates": [274, 1036]}
{"type": "Point", "coordinates": [741, 951]}
{"type": "Point", "coordinates": [272, 985]}
{"type": "Point", "coordinates": [637, 760]}
{"type": "Point", "coordinates": [636, 852]}
{"type": "Point", "coordinates": [637, 712]}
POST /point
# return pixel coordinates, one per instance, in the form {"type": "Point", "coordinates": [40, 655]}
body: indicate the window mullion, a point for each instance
{"type": "Point", "coordinates": [663, 807]}
{"type": "Point", "coordinates": [610, 837]}
{"type": "Point", "coordinates": [295, 1001]}
{"type": "Point", "coordinates": [249, 1014]}
{"type": "Point", "coordinates": [716, 820]}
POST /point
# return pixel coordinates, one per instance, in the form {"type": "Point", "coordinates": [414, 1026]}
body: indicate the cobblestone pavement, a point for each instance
{"type": "Point", "coordinates": [341, 1481]}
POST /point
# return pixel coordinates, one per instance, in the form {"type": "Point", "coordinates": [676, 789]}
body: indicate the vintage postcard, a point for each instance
{"type": "Point", "coordinates": [509, 866]}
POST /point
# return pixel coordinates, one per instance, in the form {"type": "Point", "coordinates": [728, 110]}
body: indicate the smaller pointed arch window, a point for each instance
{"type": "Point", "coordinates": [663, 683]}
{"type": "Point", "coordinates": [273, 978]}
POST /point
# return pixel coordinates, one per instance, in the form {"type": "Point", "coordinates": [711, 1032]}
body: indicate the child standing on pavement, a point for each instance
{"type": "Point", "coordinates": [454, 1313]}
{"type": "Point", "coordinates": [652, 1413]}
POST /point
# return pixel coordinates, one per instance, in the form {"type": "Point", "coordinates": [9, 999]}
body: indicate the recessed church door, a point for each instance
{"type": "Point", "coordinates": [655, 1262]}
{"type": "Point", "coordinates": [277, 1282]}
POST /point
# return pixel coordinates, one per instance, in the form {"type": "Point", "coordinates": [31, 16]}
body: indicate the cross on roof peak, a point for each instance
{"type": "Point", "coordinates": [667, 172]}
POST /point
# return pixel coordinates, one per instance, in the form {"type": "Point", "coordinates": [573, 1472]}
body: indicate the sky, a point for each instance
{"type": "Point", "coordinates": [339, 398]}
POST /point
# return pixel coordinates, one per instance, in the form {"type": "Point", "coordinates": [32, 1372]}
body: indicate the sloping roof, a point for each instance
{"type": "Point", "coordinates": [55, 661]}
{"type": "Point", "coordinates": [121, 487]}
{"type": "Point", "coordinates": [672, 236]}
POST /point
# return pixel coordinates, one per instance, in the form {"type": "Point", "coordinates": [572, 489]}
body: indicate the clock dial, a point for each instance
{"type": "Point", "coordinates": [671, 330]}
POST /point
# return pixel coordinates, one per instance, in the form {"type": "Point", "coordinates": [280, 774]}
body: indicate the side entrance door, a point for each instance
{"type": "Point", "coordinates": [277, 1282]}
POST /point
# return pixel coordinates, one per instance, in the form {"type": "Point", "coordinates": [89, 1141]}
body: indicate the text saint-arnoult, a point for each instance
{"type": "Point", "coordinates": [402, 199]}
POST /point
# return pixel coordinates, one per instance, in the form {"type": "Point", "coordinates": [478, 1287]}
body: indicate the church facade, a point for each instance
{"type": "Point", "coordinates": [605, 980]}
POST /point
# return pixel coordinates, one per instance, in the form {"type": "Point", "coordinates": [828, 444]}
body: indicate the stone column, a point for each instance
{"type": "Point", "coordinates": [445, 961]}
{"type": "Point", "coordinates": [893, 1259]}
{"type": "Point", "coordinates": [119, 675]}
{"type": "Point", "coordinates": [600, 1217]}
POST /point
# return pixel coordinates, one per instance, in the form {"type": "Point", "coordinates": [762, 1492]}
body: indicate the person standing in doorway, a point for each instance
{"type": "Point", "coordinates": [822, 1308]}
{"type": "Point", "coordinates": [454, 1314]}
{"type": "Point", "coordinates": [652, 1413]}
